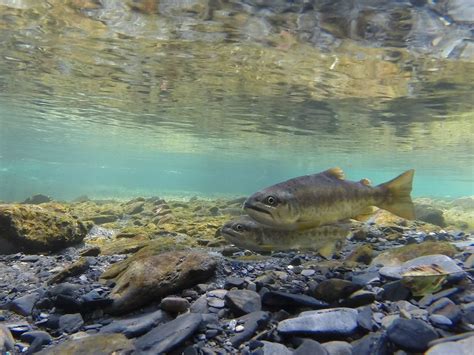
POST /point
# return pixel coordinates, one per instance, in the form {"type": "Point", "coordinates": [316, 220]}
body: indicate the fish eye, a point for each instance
{"type": "Point", "coordinates": [239, 228]}
{"type": "Point", "coordinates": [271, 200]}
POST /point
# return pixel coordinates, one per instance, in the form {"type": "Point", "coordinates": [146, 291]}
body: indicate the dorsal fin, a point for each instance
{"type": "Point", "coordinates": [365, 182]}
{"type": "Point", "coordinates": [335, 173]}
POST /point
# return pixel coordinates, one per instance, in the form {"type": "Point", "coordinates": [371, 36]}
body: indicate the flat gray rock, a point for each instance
{"type": "Point", "coordinates": [334, 321]}
{"type": "Point", "coordinates": [460, 347]}
{"type": "Point", "coordinates": [135, 326]}
{"type": "Point", "coordinates": [168, 336]}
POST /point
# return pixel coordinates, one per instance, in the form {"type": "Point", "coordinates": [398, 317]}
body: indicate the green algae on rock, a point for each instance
{"type": "Point", "coordinates": [148, 276]}
{"type": "Point", "coordinates": [35, 229]}
{"type": "Point", "coordinates": [101, 344]}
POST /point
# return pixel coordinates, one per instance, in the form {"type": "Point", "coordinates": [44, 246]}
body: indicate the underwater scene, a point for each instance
{"type": "Point", "coordinates": [236, 177]}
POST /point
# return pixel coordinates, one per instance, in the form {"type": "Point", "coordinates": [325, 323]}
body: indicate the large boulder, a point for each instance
{"type": "Point", "coordinates": [146, 276]}
{"type": "Point", "coordinates": [35, 229]}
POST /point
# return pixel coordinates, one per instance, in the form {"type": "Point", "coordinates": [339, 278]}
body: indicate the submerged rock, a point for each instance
{"type": "Point", "coordinates": [397, 256]}
{"type": "Point", "coordinates": [334, 321]}
{"type": "Point", "coordinates": [411, 334]}
{"type": "Point", "coordinates": [102, 344]}
{"type": "Point", "coordinates": [168, 336]}
{"type": "Point", "coordinates": [430, 214]}
{"type": "Point", "coordinates": [147, 276]}
{"type": "Point", "coordinates": [34, 229]}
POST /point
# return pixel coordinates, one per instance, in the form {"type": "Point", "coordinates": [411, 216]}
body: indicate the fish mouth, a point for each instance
{"type": "Point", "coordinates": [229, 232]}
{"type": "Point", "coordinates": [256, 208]}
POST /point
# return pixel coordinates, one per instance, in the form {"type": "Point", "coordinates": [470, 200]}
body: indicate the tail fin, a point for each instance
{"type": "Point", "coordinates": [399, 200]}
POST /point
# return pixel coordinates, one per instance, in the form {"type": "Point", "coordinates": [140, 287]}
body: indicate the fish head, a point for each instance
{"type": "Point", "coordinates": [244, 233]}
{"type": "Point", "coordinates": [273, 207]}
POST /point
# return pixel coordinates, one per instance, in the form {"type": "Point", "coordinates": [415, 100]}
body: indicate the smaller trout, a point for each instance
{"type": "Point", "coordinates": [246, 233]}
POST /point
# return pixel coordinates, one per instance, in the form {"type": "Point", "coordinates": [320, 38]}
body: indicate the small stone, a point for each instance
{"type": "Point", "coordinates": [440, 321]}
{"type": "Point", "coordinates": [338, 348]}
{"type": "Point", "coordinates": [215, 302]}
{"type": "Point", "coordinates": [308, 272]}
{"type": "Point", "coordinates": [447, 308]}
{"type": "Point", "coordinates": [239, 328]}
{"type": "Point", "coordinates": [243, 301]}
{"type": "Point", "coordinates": [411, 334]}
{"type": "Point", "coordinates": [174, 304]}
{"type": "Point", "coordinates": [70, 323]}
{"type": "Point", "coordinates": [334, 321]}
{"type": "Point", "coordinates": [388, 320]}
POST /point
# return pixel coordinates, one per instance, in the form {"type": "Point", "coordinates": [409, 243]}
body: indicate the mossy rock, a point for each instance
{"type": "Point", "coordinates": [35, 229]}
{"type": "Point", "coordinates": [151, 274]}
{"type": "Point", "coordinates": [101, 344]}
{"type": "Point", "coordinates": [398, 256]}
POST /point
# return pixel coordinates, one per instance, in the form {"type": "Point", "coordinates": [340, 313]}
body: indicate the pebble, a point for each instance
{"type": "Point", "coordinates": [174, 304]}
{"type": "Point", "coordinates": [447, 308]}
{"type": "Point", "coordinates": [338, 347]}
{"type": "Point", "coordinates": [411, 334]}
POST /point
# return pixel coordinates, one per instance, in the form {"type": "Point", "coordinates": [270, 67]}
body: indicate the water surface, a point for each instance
{"type": "Point", "coordinates": [127, 106]}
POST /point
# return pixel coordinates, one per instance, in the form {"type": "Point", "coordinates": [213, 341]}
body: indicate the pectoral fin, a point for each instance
{"type": "Point", "coordinates": [365, 214]}
{"type": "Point", "coordinates": [327, 250]}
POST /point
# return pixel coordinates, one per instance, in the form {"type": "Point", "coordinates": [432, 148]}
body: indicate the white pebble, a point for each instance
{"type": "Point", "coordinates": [239, 328]}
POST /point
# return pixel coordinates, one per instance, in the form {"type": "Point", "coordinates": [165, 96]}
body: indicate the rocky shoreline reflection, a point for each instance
{"type": "Point", "coordinates": [153, 275]}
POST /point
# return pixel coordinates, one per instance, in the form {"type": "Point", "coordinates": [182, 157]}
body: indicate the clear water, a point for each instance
{"type": "Point", "coordinates": [86, 109]}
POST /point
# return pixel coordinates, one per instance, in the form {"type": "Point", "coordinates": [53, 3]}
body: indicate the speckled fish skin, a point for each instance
{"type": "Point", "coordinates": [319, 199]}
{"type": "Point", "coordinates": [246, 233]}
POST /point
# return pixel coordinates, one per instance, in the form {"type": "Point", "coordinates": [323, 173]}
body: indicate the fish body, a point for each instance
{"type": "Point", "coordinates": [324, 198]}
{"type": "Point", "coordinates": [246, 233]}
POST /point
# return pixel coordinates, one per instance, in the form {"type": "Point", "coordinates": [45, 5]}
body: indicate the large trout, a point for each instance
{"type": "Point", "coordinates": [319, 199]}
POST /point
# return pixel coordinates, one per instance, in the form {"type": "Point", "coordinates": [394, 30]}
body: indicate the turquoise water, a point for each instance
{"type": "Point", "coordinates": [90, 111]}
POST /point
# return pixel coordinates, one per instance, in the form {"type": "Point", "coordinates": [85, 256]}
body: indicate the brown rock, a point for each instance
{"type": "Point", "coordinates": [148, 276]}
